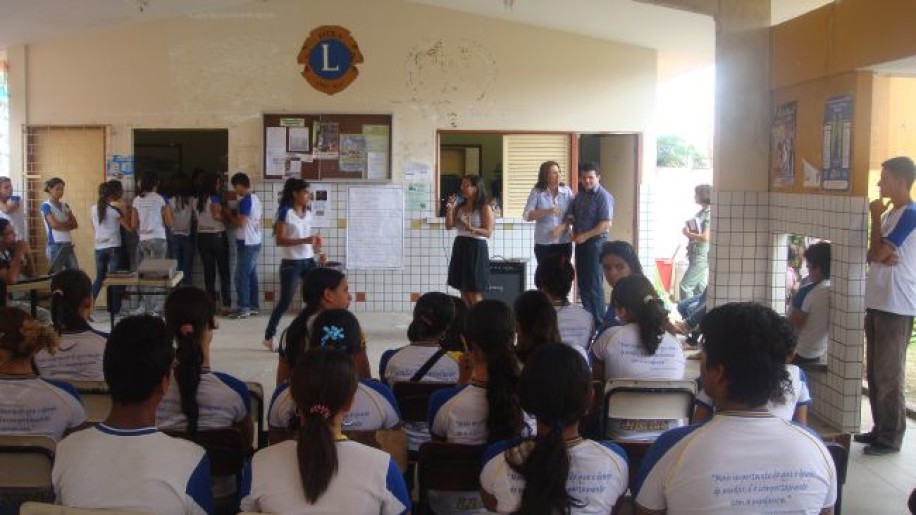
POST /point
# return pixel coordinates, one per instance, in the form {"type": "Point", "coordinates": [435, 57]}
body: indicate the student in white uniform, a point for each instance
{"type": "Point", "coordinates": [247, 219]}
{"type": "Point", "coordinates": [181, 237]}
{"type": "Point", "coordinates": [125, 463]}
{"type": "Point", "coordinates": [809, 310]}
{"type": "Point", "coordinates": [744, 460]}
{"type": "Point", "coordinates": [536, 322]}
{"type": "Point", "coordinates": [555, 278]}
{"type": "Point", "coordinates": [108, 216]}
{"type": "Point", "coordinates": [322, 471]}
{"type": "Point", "coordinates": [558, 471]}
{"type": "Point", "coordinates": [59, 221]}
{"type": "Point", "coordinates": [293, 234]}
{"type": "Point", "coordinates": [324, 288]}
{"type": "Point", "coordinates": [22, 393]}
{"type": "Point", "coordinates": [212, 242]}
{"type": "Point", "coordinates": [80, 350]}
{"type": "Point", "coordinates": [198, 398]}
{"type": "Point", "coordinates": [150, 217]}
{"type": "Point", "coordinates": [374, 406]}
{"type": "Point", "coordinates": [424, 359]}
{"type": "Point", "coordinates": [12, 208]}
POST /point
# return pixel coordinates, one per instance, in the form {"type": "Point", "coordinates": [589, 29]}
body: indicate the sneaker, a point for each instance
{"type": "Point", "coordinates": [253, 312]}
{"type": "Point", "coordinates": [879, 449]}
{"type": "Point", "coordinates": [868, 437]}
{"type": "Point", "coordinates": [240, 314]}
{"type": "Point", "coordinates": [269, 344]}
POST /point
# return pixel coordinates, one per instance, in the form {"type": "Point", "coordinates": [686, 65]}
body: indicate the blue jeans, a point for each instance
{"type": "Point", "coordinates": [291, 271]}
{"type": "Point", "coordinates": [181, 249]}
{"type": "Point", "coordinates": [155, 248]}
{"type": "Point", "coordinates": [69, 261]}
{"type": "Point", "coordinates": [107, 260]}
{"type": "Point", "coordinates": [246, 276]}
{"type": "Point", "coordinates": [693, 310]}
{"type": "Point", "coordinates": [590, 278]}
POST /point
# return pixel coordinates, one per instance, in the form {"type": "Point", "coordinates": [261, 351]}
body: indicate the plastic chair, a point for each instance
{"type": "Point", "coordinates": [647, 399]}
{"type": "Point", "coordinates": [413, 398]}
{"type": "Point", "coordinates": [95, 398]}
{"type": "Point", "coordinates": [256, 395]}
{"type": "Point", "coordinates": [447, 467]}
{"type": "Point", "coordinates": [25, 470]}
{"type": "Point", "coordinates": [40, 508]}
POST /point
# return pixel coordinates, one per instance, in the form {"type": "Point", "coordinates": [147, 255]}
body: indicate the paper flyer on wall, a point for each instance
{"type": "Point", "coordinates": [418, 196]}
{"type": "Point", "coordinates": [321, 205]}
{"type": "Point", "coordinates": [415, 171]}
{"type": "Point", "coordinates": [299, 139]}
{"type": "Point", "coordinates": [783, 138]}
{"type": "Point", "coordinates": [325, 140]}
{"type": "Point", "coordinates": [276, 140]}
{"type": "Point", "coordinates": [352, 153]}
{"type": "Point", "coordinates": [837, 152]}
{"type": "Point", "coordinates": [119, 167]}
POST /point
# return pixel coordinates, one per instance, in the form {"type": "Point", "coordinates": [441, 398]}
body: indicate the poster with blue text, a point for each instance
{"type": "Point", "coordinates": [783, 157]}
{"type": "Point", "coordinates": [837, 143]}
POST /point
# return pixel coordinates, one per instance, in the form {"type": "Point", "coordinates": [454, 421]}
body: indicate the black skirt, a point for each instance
{"type": "Point", "coordinates": [469, 268]}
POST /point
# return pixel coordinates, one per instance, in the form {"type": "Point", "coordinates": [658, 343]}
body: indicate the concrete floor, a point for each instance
{"type": "Point", "coordinates": [875, 485]}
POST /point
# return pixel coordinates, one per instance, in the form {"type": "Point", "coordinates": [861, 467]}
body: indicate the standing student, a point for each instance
{"type": "Point", "coordinates": [472, 217]}
{"type": "Point", "coordinates": [150, 217]}
{"type": "Point", "coordinates": [109, 215]}
{"type": "Point", "coordinates": [59, 221]}
{"type": "Point", "coordinates": [181, 236]}
{"type": "Point", "coordinates": [547, 203]}
{"type": "Point", "coordinates": [809, 309]}
{"type": "Point", "coordinates": [212, 242]}
{"type": "Point", "coordinates": [292, 229]}
{"type": "Point", "coordinates": [558, 471]}
{"type": "Point", "coordinates": [697, 232]}
{"type": "Point", "coordinates": [247, 220]}
{"type": "Point", "coordinates": [576, 325]}
{"type": "Point", "coordinates": [12, 208]}
{"type": "Point", "coordinates": [322, 471]}
{"type": "Point", "coordinates": [81, 348]}
{"type": "Point", "coordinates": [590, 216]}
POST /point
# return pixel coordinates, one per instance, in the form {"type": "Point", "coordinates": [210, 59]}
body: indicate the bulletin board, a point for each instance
{"type": "Point", "coordinates": [345, 147]}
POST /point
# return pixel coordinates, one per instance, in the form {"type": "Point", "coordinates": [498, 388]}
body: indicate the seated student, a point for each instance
{"type": "Point", "coordinates": [536, 322]}
{"type": "Point", "coordinates": [810, 306]}
{"type": "Point", "coordinates": [791, 404]}
{"type": "Point", "coordinates": [558, 471]}
{"type": "Point", "coordinates": [618, 260]}
{"type": "Point", "coordinates": [424, 359]}
{"type": "Point", "coordinates": [323, 288]}
{"type": "Point", "coordinates": [706, 468]}
{"type": "Point", "coordinates": [13, 252]}
{"type": "Point", "coordinates": [81, 348]}
{"type": "Point", "coordinates": [22, 393]}
{"type": "Point", "coordinates": [125, 463]}
{"type": "Point", "coordinates": [374, 406]}
{"type": "Point", "coordinates": [323, 472]}
{"type": "Point", "coordinates": [555, 278]}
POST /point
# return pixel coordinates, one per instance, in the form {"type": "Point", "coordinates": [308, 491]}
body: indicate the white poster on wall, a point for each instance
{"type": "Point", "coordinates": [375, 228]}
{"type": "Point", "coordinates": [321, 206]}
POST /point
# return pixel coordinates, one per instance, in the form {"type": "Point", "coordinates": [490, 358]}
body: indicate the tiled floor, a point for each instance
{"type": "Point", "coordinates": [875, 485]}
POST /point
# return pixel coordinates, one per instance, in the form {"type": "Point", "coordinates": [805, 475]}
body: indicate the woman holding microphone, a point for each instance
{"type": "Point", "coordinates": [471, 215]}
{"type": "Point", "coordinates": [546, 206]}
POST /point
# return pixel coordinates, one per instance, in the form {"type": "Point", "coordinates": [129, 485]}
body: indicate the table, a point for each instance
{"type": "Point", "coordinates": [166, 285]}
{"type": "Point", "coordinates": [33, 286]}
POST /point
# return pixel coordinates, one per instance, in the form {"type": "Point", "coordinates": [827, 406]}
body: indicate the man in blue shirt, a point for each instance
{"type": "Point", "coordinates": [590, 215]}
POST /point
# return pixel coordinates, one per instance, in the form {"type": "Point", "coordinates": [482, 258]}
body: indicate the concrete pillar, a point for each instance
{"type": "Point", "coordinates": [17, 81]}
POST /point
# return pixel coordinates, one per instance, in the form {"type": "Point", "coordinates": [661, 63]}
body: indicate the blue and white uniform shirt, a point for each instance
{"type": "Point", "coordinates": [893, 288]}
{"type": "Point", "coordinates": [79, 357]}
{"type": "Point", "coordinates": [798, 396]}
{"type": "Point", "coordinates": [296, 227]}
{"type": "Point", "coordinates": [624, 356]}
{"type": "Point", "coordinates": [108, 231]}
{"type": "Point", "coordinates": [222, 401]}
{"type": "Point", "coordinates": [374, 408]}
{"type": "Point", "coordinates": [249, 233]}
{"type": "Point", "coordinates": [34, 406]}
{"type": "Point", "coordinates": [61, 214]}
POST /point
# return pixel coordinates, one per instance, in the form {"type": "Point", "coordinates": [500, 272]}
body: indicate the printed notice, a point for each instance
{"type": "Point", "coordinates": [375, 228]}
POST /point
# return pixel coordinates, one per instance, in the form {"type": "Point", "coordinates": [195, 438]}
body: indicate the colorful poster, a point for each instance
{"type": "Point", "coordinates": [837, 151]}
{"type": "Point", "coordinates": [353, 153]}
{"type": "Point", "coordinates": [120, 167]}
{"type": "Point", "coordinates": [783, 138]}
{"type": "Point", "coordinates": [326, 140]}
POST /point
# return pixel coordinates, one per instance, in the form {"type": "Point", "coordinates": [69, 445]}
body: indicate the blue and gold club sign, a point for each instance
{"type": "Point", "coordinates": [330, 55]}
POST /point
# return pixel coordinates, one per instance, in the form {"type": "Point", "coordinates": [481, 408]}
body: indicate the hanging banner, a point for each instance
{"type": "Point", "coordinates": [837, 143]}
{"type": "Point", "coordinates": [783, 150]}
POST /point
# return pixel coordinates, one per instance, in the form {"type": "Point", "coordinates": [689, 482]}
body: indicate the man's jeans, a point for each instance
{"type": "Point", "coordinates": [246, 276]}
{"type": "Point", "coordinates": [590, 277]}
{"type": "Point", "coordinates": [107, 261]}
{"type": "Point", "coordinates": [151, 249]}
{"type": "Point", "coordinates": [291, 271]}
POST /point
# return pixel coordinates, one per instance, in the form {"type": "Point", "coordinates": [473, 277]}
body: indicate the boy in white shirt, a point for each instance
{"type": "Point", "coordinates": [810, 306]}
{"type": "Point", "coordinates": [247, 219]}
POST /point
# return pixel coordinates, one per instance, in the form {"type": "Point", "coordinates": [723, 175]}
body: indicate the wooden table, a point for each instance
{"type": "Point", "coordinates": [166, 285]}
{"type": "Point", "coordinates": [32, 286]}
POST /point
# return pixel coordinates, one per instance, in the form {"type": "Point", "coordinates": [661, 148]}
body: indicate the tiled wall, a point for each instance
{"type": "Point", "coordinates": [748, 262]}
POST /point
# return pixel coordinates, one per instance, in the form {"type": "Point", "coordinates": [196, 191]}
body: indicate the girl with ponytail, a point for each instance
{"type": "Point", "coordinates": [557, 472]}
{"type": "Point", "coordinates": [109, 215]}
{"type": "Point", "coordinates": [640, 349]}
{"type": "Point", "coordinates": [322, 471]}
{"type": "Point", "coordinates": [198, 398]}
{"type": "Point", "coordinates": [81, 348]}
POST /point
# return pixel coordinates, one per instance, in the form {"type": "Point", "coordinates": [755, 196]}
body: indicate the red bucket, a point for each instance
{"type": "Point", "coordinates": [665, 268]}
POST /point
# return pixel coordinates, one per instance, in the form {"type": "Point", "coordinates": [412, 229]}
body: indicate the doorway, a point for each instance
{"type": "Point", "coordinates": [169, 151]}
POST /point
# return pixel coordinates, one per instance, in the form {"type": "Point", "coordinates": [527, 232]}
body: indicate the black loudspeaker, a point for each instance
{"type": "Point", "coordinates": [507, 280]}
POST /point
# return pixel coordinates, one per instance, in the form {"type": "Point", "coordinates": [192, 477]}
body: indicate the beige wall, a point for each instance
{"type": "Point", "coordinates": [620, 176]}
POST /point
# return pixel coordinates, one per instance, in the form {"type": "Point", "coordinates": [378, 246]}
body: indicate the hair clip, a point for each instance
{"type": "Point", "coordinates": [320, 410]}
{"type": "Point", "coordinates": [332, 333]}
{"type": "Point", "coordinates": [186, 330]}
{"type": "Point", "coordinates": [57, 292]}
{"type": "Point", "coordinates": [647, 299]}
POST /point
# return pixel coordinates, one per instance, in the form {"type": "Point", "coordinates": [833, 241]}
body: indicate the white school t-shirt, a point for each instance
{"type": "Point", "coordinates": [206, 224]}
{"type": "Point", "coordinates": [813, 299]}
{"type": "Point", "coordinates": [149, 214]}
{"type": "Point", "coordinates": [576, 327]}
{"type": "Point", "coordinates": [459, 415]}
{"type": "Point", "coordinates": [625, 357]}
{"type": "Point", "coordinates": [79, 357]}
{"type": "Point", "coordinates": [182, 215]}
{"type": "Point", "coordinates": [250, 232]}
{"type": "Point", "coordinates": [598, 475]}
{"type": "Point", "coordinates": [222, 401]}
{"type": "Point", "coordinates": [33, 406]}
{"type": "Point", "coordinates": [368, 482]}
{"type": "Point", "coordinates": [893, 288]}
{"type": "Point", "coordinates": [108, 231]}
{"type": "Point", "coordinates": [296, 227]}
{"type": "Point", "coordinates": [16, 218]}
{"type": "Point", "coordinates": [61, 214]}
{"type": "Point", "coordinates": [374, 408]}
{"type": "Point", "coordinates": [798, 396]}
{"type": "Point", "coordinates": [738, 462]}
{"type": "Point", "coordinates": [136, 470]}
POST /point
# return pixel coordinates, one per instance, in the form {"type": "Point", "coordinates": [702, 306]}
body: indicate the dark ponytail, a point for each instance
{"type": "Point", "coordinates": [322, 383]}
{"type": "Point", "coordinates": [102, 203]}
{"type": "Point", "coordinates": [554, 389]}
{"type": "Point", "coordinates": [189, 312]}
{"type": "Point", "coordinates": [208, 188]}
{"type": "Point", "coordinates": [537, 322]}
{"type": "Point", "coordinates": [69, 289]}
{"type": "Point", "coordinates": [432, 316]}
{"type": "Point", "coordinates": [638, 296]}
{"type": "Point", "coordinates": [491, 331]}
{"type": "Point", "coordinates": [314, 285]}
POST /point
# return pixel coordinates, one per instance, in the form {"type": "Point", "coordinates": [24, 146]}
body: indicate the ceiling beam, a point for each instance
{"type": "Point", "coordinates": [706, 7]}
